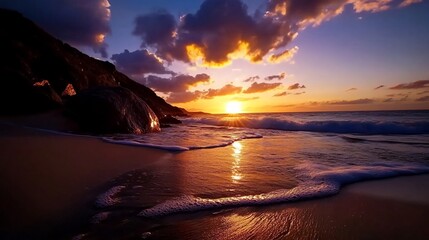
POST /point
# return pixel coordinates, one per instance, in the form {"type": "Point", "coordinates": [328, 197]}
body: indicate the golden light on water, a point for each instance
{"type": "Point", "coordinates": [236, 174]}
{"type": "Point", "coordinates": [233, 107]}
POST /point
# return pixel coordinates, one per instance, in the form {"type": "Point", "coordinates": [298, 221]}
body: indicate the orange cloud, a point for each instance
{"type": "Point", "coordinates": [261, 87]}
{"type": "Point", "coordinates": [286, 55]}
{"type": "Point", "coordinates": [228, 89]}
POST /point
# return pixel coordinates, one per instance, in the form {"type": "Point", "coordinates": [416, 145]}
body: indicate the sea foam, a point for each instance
{"type": "Point", "coordinates": [320, 181]}
{"type": "Point", "coordinates": [224, 143]}
{"type": "Point", "coordinates": [109, 198]}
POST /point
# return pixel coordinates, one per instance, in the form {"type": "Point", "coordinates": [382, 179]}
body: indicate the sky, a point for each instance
{"type": "Point", "coordinates": [268, 55]}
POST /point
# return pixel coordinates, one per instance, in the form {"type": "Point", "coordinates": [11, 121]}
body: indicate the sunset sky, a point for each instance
{"type": "Point", "coordinates": [272, 56]}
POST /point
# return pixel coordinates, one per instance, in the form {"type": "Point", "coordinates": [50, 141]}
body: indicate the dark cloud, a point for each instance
{"type": "Point", "coordinates": [281, 94]}
{"type": "Point", "coordinates": [299, 93]}
{"type": "Point", "coordinates": [423, 99]}
{"type": "Point", "coordinates": [219, 31]}
{"type": "Point", "coordinates": [280, 76]}
{"type": "Point", "coordinates": [176, 84]}
{"type": "Point", "coordinates": [139, 62]}
{"type": "Point", "coordinates": [251, 79]}
{"type": "Point", "coordinates": [351, 102]}
{"type": "Point", "coordinates": [412, 85]}
{"type": "Point", "coordinates": [381, 86]}
{"type": "Point", "coordinates": [183, 97]}
{"type": "Point", "coordinates": [295, 86]}
{"type": "Point", "coordinates": [223, 30]}
{"type": "Point", "coordinates": [78, 22]}
{"type": "Point", "coordinates": [155, 28]}
{"type": "Point", "coordinates": [261, 87]}
{"type": "Point", "coordinates": [351, 89]}
{"type": "Point", "coordinates": [228, 89]}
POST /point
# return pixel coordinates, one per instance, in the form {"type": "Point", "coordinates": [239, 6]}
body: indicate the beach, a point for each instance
{"type": "Point", "coordinates": [50, 184]}
{"type": "Point", "coordinates": [49, 181]}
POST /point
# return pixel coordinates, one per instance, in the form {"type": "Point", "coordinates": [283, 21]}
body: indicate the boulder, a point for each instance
{"type": "Point", "coordinates": [168, 119]}
{"type": "Point", "coordinates": [105, 110]}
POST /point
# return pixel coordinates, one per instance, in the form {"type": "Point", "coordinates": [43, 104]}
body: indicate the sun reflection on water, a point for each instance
{"type": "Point", "coordinates": [236, 173]}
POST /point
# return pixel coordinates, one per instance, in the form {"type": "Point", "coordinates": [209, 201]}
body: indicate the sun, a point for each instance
{"type": "Point", "coordinates": [233, 107]}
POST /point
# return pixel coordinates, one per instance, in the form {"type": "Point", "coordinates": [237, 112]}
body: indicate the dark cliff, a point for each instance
{"type": "Point", "coordinates": [29, 55]}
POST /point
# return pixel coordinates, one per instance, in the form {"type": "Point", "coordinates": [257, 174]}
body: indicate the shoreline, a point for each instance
{"type": "Point", "coordinates": [51, 180]}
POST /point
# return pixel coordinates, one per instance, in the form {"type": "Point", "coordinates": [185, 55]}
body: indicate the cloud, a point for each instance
{"type": "Point", "coordinates": [421, 93]}
{"type": "Point", "coordinates": [177, 84]}
{"type": "Point", "coordinates": [156, 28]}
{"type": "Point", "coordinates": [183, 97]}
{"type": "Point", "coordinates": [400, 97]}
{"type": "Point", "coordinates": [228, 89]}
{"type": "Point", "coordinates": [78, 22]}
{"type": "Point", "coordinates": [380, 86]}
{"type": "Point", "coordinates": [299, 93]}
{"type": "Point", "coordinates": [251, 79]}
{"type": "Point", "coordinates": [413, 85]}
{"type": "Point", "coordinates": [280, 76]}
{"type": "Point", "coordinates": [406, 3]}
{"type": "Point", "coordinates": [139, 62]}
{"type": "Point", "coordinates": [281, 94]}
{"type": "Point", "coordinates": [223, 30]}
{"type": "Point", "coordinates": [245, 99]}
{"type": "Point", "coordinates": [261, 87]}
{"type": "Point", "coordinates": [351, 102]}
{"type": "Point", "coordinates": [286, 55]}
{"type": "Point", "coordinates": [423, 99]}
{"type": "Point", "coordinates": [295, 86]}
{"type": "Point", "coordinates": [397, 95]}
{"type": "Point", "coordinates": [351, 89]}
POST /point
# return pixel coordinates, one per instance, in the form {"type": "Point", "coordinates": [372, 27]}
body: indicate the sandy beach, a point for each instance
{"type": "Point", "coordinates": [48, 180]}
{"type": "Point", "coordinates": [49, 183]}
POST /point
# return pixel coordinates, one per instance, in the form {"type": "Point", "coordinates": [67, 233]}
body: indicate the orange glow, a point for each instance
{"type": "Point", "coordinates": [233, 107]}
{"type": "Point", "coordinates": [100, 38]}
{"type": "Point", "coordinates": [281, 8]}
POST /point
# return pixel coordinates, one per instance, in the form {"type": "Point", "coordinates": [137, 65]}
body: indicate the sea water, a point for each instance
{"type": "Point", "coordinates": [222, 163]}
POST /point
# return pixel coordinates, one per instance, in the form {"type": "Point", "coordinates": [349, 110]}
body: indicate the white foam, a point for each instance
{"type": "Point", "coordinates": [135, 143]}
{"type": "Point", "coordinates": [109, 198]}
{"type": "Point", "coordinates": [320, 182]}
{"type": "Point", "coordinates": [181, 148]}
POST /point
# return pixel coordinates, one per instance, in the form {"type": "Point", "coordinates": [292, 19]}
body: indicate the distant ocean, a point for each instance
{"type": "Point", "coordinates": [224, 162]}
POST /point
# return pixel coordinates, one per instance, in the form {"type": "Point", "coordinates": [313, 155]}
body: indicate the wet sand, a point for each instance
{"type": "Point", "coordinates": [49, 182]}
{"type": "Point", "coordinates": [396, 208]}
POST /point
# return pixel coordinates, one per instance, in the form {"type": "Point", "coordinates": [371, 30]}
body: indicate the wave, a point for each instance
{"type": "Point", "coordinates": [331, 126]}
{"type": "Point", "coordinates": [359, 139]}
{"type": "Point", "coordinates": [321, 182]}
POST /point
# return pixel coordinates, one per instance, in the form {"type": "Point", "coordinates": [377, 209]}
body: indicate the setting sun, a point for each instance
{"type": "Point", "coordinates": [233, 107]}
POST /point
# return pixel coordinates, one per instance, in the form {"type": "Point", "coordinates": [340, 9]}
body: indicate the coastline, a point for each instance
{"type": "Point", "coordinates": [50, 182]}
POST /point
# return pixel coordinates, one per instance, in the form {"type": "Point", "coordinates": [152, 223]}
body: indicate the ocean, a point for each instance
{"type": "Point", "coordinates": [225, 173]}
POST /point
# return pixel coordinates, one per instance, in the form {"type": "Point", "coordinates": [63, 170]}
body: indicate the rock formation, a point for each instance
{"type": "Point", "coordinates": [39, 73]}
